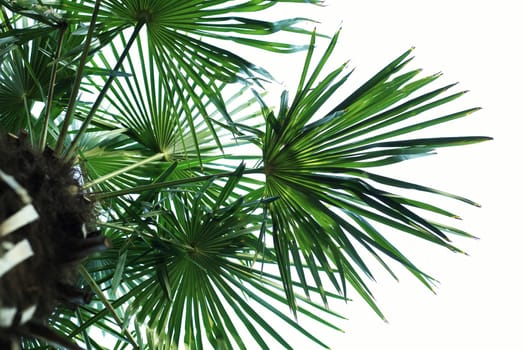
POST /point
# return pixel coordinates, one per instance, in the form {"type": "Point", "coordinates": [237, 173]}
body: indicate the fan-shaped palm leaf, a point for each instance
{"type": "Point", "coordinates": [148, 134]}
{"type": "Point", "coordinates": [175, 33]}
{"type": "Point", "coordinates": [186, 272]}
{"type": "Point", "coordinates": [315, 164]}
{"type": "Point", "coordinates": [160, 117]}
{"type": "Point", "coordinates": [38, 67]}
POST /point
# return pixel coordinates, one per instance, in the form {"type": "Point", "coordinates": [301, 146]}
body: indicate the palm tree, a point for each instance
{"type": "Point", "coordinates": [228, 217]}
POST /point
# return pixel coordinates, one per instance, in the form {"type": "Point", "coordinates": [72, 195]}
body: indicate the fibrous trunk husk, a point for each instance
{"type": "Point", "coordinates": [44, 220]}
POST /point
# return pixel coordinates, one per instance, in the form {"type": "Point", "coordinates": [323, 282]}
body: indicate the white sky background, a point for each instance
{"type": "Point", "coordinates": [480, 300]}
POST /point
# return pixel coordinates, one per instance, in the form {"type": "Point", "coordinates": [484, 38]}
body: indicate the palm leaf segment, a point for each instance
{"type": "Point", "coordinates": [328, 203]}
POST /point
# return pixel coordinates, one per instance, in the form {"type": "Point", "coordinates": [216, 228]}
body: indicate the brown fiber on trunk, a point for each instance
{"type": "Point", "coordinates": [57, 238]}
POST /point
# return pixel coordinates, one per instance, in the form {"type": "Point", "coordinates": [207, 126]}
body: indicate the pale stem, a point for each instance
{"type": "Point", "coordinates": [76, 85]}
{"type": "Point", "coordinates": [103, 178]}
{"type": "Point", "coordinates": [153, 186]}
{"type": "Point", "coordinates": [51, 90]}
{"type": "Point", "coordinates": [94, 286]}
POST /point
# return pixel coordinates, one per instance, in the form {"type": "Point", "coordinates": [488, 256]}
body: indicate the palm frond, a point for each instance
{"type": "Point", "coordinates": [328, 205]}
{"type": "Point", "coordinates": [187, 275]}
{"type": "Point", "coordinates": [177, 33]}
{"type": "Point", "coordinates": [162, 118]}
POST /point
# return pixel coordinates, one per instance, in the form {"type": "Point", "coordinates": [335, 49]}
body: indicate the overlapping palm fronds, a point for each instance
{"type": "Point", "coordinates": [212, 245]}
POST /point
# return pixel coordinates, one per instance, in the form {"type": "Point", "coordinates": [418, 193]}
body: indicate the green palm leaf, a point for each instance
{"type": "Point", "coordinates": [188, 276]}
{"type": "Point", "coordinates": [314, 164]}
{"type": "Point", "coordinates": [175, 40]}
{"type": "Point", "coordinates": [24, 74]}
{"type": "Point", "coordinates": [152, 114]}
{"type": "Point", "coordinates": [37, 70]}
